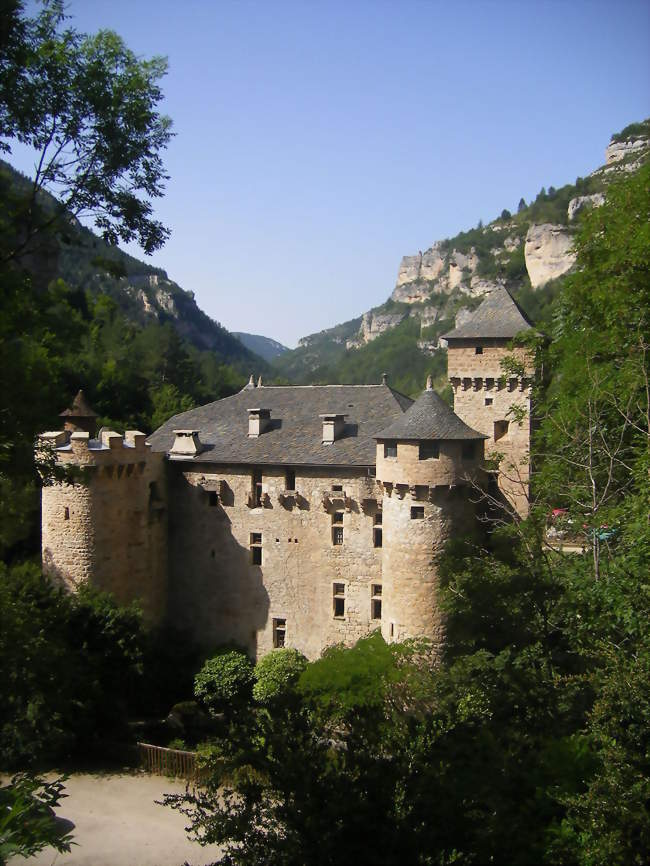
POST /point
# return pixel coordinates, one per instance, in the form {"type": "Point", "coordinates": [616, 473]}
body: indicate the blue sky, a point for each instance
{"type": "Point", "coordinates": [319, 142]}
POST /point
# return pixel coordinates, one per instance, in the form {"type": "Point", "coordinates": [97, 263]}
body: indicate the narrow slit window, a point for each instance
{"type": "Point", "coordinates": [377, 530]}
{"type": "Point", "coordinates": [290, 479]}
{"type": "Point", "coordinates": [375, 601]}
{"type": "Point", "coordinates": [66, 513]}
{"type": "Point", "coordinates": [338, 598]}
{"type": "Point", "coordinates": [256, 548]}
{"type": "Point", "coordinates": [279, 633]}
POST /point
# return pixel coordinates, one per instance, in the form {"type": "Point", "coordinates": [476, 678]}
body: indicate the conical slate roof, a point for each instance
{"type": "Point", "coordinates": [429, 418]}
{"type": "Point", "coordinates": [498, 317]}
{"type": "Point", "coordinates": [79, 408]}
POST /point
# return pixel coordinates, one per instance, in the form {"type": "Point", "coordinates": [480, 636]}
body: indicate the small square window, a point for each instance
{"type": "Point", "coordinates": [429, 450]}
{"type": "Point", "coordinates": [468, 450]}
{"type": "Point", "coordinates": [390, 449]}
{"type": "Point", "coordinates": [337, 518]}
{"type": "Point", "coordinates": [417, 512]}
{"type": "Point", "coordinates": [279, 632]}
{"type": "Point", "coordinates": [478, 350]}
{"type": "Point", "coordinates": [256, 537]}
{"type": "Point", "coordinates": [489, 401]}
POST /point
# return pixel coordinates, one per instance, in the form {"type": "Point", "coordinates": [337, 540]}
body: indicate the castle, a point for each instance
{"type": "Point", "coordinates": [297, 516]}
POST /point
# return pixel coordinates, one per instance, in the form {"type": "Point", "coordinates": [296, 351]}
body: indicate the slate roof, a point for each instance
{"type": "Point", "coordinates": [429, 418]}
{"type": "Point", "coordinates": [296, 430]}
{"type": "Point", "coordinates": [498, 317]}
{"type": "Point", "coordinates": [79, 409]}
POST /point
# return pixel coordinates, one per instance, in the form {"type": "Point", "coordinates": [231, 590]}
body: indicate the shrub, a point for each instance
{"type": "Point", "coordinates": [224, 682]}
{"type": "Point", "coordinates": [276, 674]}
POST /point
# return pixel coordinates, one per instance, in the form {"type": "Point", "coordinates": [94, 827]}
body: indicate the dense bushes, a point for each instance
{"type": "Point", "coordinates": [68, 667]}
{"type": "Point", "coordinates": [276, 674]}
{"type": "Point", "coordinates": [225, 681]}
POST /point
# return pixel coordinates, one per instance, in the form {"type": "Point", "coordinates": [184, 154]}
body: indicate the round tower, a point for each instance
{"type": "Point", "coordinates": [429, 464]}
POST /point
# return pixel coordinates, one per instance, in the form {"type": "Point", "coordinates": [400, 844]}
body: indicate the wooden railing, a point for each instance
{"type": "Point", "coordinates": [168, 762]}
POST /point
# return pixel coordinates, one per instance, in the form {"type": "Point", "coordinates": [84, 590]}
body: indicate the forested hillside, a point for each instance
{"type": "Point", "coordinates": [528, 251]}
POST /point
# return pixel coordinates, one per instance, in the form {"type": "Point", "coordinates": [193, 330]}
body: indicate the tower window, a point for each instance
{"type": "Point", "coordinates": [375, 601]}
{"type": "Point", "coordinates": [338, 599]}
{"type": "Point", "coordinates": [417, 512]}
{"type": "Point", "coordinates": [429, 450]}
{"type": "Point", "coordinates": [66, 513]}
{"type": "Point", "coordinates": [256, 548]}
{"type": "Point", "coordinates": [390, 449]}
{"type": "Point", "coordinates": [279, 633]}
{"type": "Point", "coordinates": [478, 350]}
{"type": "Point", "coordinates": [500, 429]}
{"type": "Point", "coordinates": [468, 450]}
{"type": "Point", "coordinates": [290, 480]}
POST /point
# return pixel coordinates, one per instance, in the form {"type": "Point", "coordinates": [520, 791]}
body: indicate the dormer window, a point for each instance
{"type": "Point", "coordinates": [390, 450]}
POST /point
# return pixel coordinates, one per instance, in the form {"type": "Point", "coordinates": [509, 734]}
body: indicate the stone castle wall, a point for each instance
{"type": "Point", "coordinates": [106, 524]}
{"type": "Point", "coordinates": [218, 594]}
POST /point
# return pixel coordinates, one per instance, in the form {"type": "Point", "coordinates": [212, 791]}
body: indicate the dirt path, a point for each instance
{"type": "Point", "coordinates": [117, 823]}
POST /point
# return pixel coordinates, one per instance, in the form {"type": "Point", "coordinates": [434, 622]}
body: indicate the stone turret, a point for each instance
{"type": "Point", "coordinates": [493, 400]}
{"type": "Point", "coordinates": [106, 523]}
{"type": "Point", "coordinates": [79, 416]}
{"type": "Point", "coordinates": [429, 464]}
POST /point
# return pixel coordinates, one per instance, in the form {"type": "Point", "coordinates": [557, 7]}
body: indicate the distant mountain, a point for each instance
{"type": "Point", "coordinates": [265, 347]}
{"type": "Point", "coordinates": [529, 252]}
{"type": "Point", "coordinates": [144, 293]}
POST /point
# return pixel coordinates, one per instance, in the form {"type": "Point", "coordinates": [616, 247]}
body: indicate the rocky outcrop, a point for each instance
{"type": "Point", "coordinates": [548, 253]}
{"type": "Point", "coordinates": [584, 201]}
{"type": "Point", "coordinates": [619, 150]}
{"type": "Point", "coordinates": [479, 286]}
{"type": "Point", "coordinates": [374, 324]}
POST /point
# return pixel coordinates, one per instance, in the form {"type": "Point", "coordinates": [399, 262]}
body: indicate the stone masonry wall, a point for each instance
{"type": "Point", "coordinates": [107, 524]}
{"type": "Point", "coordinates": [218, 595]}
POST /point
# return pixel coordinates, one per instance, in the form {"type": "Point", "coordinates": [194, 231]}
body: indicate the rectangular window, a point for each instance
{"type": "Point", "coordinates": [429, 450]}
{"type": "Point", "coordinates": [500, 429]}
{"type": "Point", "coordinates": [290, 480]}
{"type": "Point", "coordinates": [337, 488]}
{"type": "Point", "coordinates": [390, 449]}
{"type": "Point", "coordinates": [66, 513]}
{"type": "Point", "coordinates": [256, 548]}
{"type": "Point", "coordinates": [338, 597]}
{"type": "Point", "coordinates": [417, 512]}
{"type": "Point", "coordinates": [478, 350]}
{"type": "Point", "coordinates": [468, 450]}
{"type": "Point", "coordinates": [213, 498]}
{"type": "Point", "coordinates": [279, 633]}
{"type": "Point", "coordinates": [377, 531]}
{"type": "Point", "coordinates": [337, 535]}
{"type": "Point", "coordinates": [375, 601]}
{"type": "Point", "coordinates": [257, 488]}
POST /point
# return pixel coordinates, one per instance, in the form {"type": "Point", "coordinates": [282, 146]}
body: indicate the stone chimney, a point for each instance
{"type": "Point", "coordinates": [186, 443]}
{"type": "Point", "coordinates": [333, 427]}
{"type": "Point", "coordinates": [258, 421]}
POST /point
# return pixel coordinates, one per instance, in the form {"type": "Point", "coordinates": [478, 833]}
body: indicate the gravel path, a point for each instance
{"type": "Point", "coordinates": [117, 823]}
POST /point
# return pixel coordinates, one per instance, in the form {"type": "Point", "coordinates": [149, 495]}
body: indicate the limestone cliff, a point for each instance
{"type": "Point", "coordinates": [529, 252]}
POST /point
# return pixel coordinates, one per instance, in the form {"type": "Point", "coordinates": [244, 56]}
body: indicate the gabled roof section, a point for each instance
{"type": "Point", "coordinates": [429, 418]}
{"type": "Point", "coordinates": [294, 436]}
{"type": "Point", "coordinates": [498, 317]}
